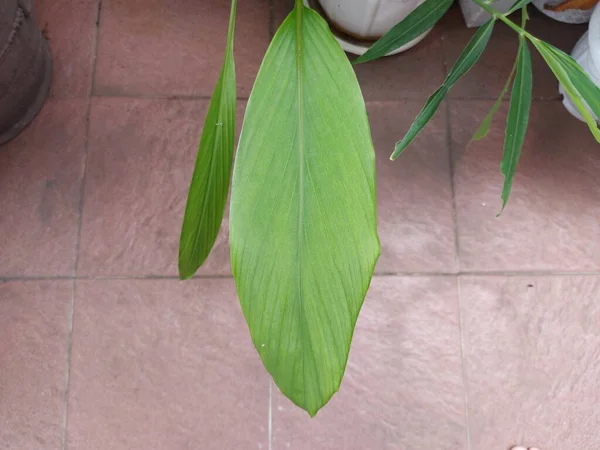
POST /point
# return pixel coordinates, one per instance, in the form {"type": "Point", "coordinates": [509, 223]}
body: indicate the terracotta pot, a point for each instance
{"type": "Point", "coordinates": [356, 24]}
{"type": "Point", "coordinates": [25, 67]}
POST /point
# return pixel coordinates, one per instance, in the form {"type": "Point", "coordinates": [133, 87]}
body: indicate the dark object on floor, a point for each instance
{"type": "Point", "coordinates": [25, 67]}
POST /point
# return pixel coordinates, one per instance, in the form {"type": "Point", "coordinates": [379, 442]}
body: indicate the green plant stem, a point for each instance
{"type": "Point", "coordinates": [231, 28]}
{"type": "Point", "coordinates": [497, 15]}
{"type": "Point", "coordinates": [524, 17]}
{"type": "Point", "coordinates": [299, 4]}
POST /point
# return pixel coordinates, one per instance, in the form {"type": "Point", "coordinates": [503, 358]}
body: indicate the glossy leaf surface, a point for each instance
{"type": "Point", "coordinates": [517, 119]}
{"type": "Point", "coordinates": [212, 173]}
{"type": "Point", "coordinates": [575, 82]}
{"type": "Point", "coordinates": [414, 25]}
{"type": "Point", "coordinates": [469, 56]}
{"type": "Point", "coordinates": [303, 212]}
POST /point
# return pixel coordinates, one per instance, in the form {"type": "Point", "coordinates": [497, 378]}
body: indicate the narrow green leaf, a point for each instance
{"type": "Point", "coordinates": [212, 173]}
{"type": "Point", "coordinates": [414, 25]}
{"type": "Point", "coordinates": [524, 17]}
{"type": "Point", "coordinates": [484, 128]}
{"type": "Point", "coordinates": [518, 118]}
{"type": "Point", "coordinates": [589, 91]}
{"type": "Point", "coordinates": [303, 228]}
{"type": "Point", "coordinates": [570, 76]}
{"type": "Point", "coordinates": [470, 55]}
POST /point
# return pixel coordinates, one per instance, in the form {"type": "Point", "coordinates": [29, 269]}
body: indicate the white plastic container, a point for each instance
{"type": "Point", "coordinates": [475, 15]}
{"type": "Point", "coordinates": [587, 54]}
{"type": "Point", "coordinates": [570, 16]}
{"type": "Point", "coordinates": [358, 23]}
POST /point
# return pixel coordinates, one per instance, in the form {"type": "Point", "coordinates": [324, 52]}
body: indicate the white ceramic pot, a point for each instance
{"type": "Point", "coordinates": [476, 16]}
{"type": "Point", "coordinates": [358, 23]}
{"type": "Point", "coordinates": [587, 54]}
{"type": "Point", "coordinates": [569, 16]}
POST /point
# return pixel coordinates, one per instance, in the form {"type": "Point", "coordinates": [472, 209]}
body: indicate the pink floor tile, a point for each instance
{"type": "Point", "coordinates": [164, 365]}
{"type": "Point", "coordinates": [70, 27]}
{"type": "Point", "coordinates": [157, 364]}
{"type": "Point", "coordinates": [40, 182]}
{"type": "Point", "coordinates": [551, 220]}
{"type": "Point", "coordinates": [487, 78]}
{"type": "Point", "coordinates": [414, 203]}
{"type": "Point", "coordinates": [34, 324]}
{"type": "Point", "coordinates": [403, 387]}
{"type": "Point", "coordinates": [140, 164]}
{"type": "Point", "coordinates": [414, 74]}
{"type": "Point", "coordinates": [157, 48]}
{"type": "Point", "coordinates": [532, 355]}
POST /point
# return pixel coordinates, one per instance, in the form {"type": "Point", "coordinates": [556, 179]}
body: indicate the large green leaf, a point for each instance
{"type": "Point", "coordinates": [414, 25]}
{"type": "Point", "coordinates": [303, 212]}
{"type": "Point", "coordinates": [470, 55]}
{"type": "Point", "coordinates": [212, 173]}
{"type": "Point", "coordinates": [517, 119]}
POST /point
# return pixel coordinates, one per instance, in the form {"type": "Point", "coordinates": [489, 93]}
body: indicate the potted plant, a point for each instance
{"type": "Point", "coordinates": [303, 232]}
{"type": "Point", "coordinates": [25, 68]}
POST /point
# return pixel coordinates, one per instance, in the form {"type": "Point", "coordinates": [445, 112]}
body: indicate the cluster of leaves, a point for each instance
{"type": "Point", "coordinates": [581, 89]}
{"type": "Point", "coordinates": [302, 222]}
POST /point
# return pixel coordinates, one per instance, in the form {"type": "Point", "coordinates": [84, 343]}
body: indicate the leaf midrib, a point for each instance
{"type": "Point", "coordinates": [300, 134]}
{"type": "Point", "coordinates": [514, 153]}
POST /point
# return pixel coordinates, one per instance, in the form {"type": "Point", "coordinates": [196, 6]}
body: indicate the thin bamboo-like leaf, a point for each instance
{"type": "Point", "coordinates": [470, 55]}
{"type": "Point", "coordinates": [558, 67]}
{"type": "Point", "coordinates": [212, 173]}
{"type": "Point", "coordinates": [414, 25]}
{"type": "Point", "coordinates": [303, 210]}
{"type": "Point", "coordinates": [589, 91]}
{"type": "Point", "coordinates": [518, 118]}
{"type": "Point", "coordinates": [484, 128]}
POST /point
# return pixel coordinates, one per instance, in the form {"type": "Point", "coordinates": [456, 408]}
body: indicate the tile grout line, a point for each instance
{"type": "Point", "coordinates": [86, 144]}
{"type": "Point", "coordinates": [456, 256]}
{"type": "Point", "coordinates": [449, 146]}
{"type": "Point", "coordinates": [490, 99]}
{"type": "Point", "coordinates": [270, 423]}
{"type": "Point", "coordinates": [458, 268]}
{"type": "Point", "coordinates": [126, 95]}
{"type": "Point", "coordinates": [463, 365]}
{"type": "Point", "coordinates": [71, 309]}
{"type": "Point", "coordinates": [514, 273]}
{"type": "Point", "coordinates": [243, 98]}
{"type": "Point", "coordinates": [70, 313]}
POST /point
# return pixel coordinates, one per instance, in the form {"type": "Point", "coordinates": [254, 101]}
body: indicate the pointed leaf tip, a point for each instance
{"type": "Point", "coordinates": [517, 119]}
{"type": "Point", "coordinates": [210, 182]}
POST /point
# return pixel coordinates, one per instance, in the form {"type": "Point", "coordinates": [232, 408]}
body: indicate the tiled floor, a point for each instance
{"type": "Point", "coordinates": [478, 332]}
